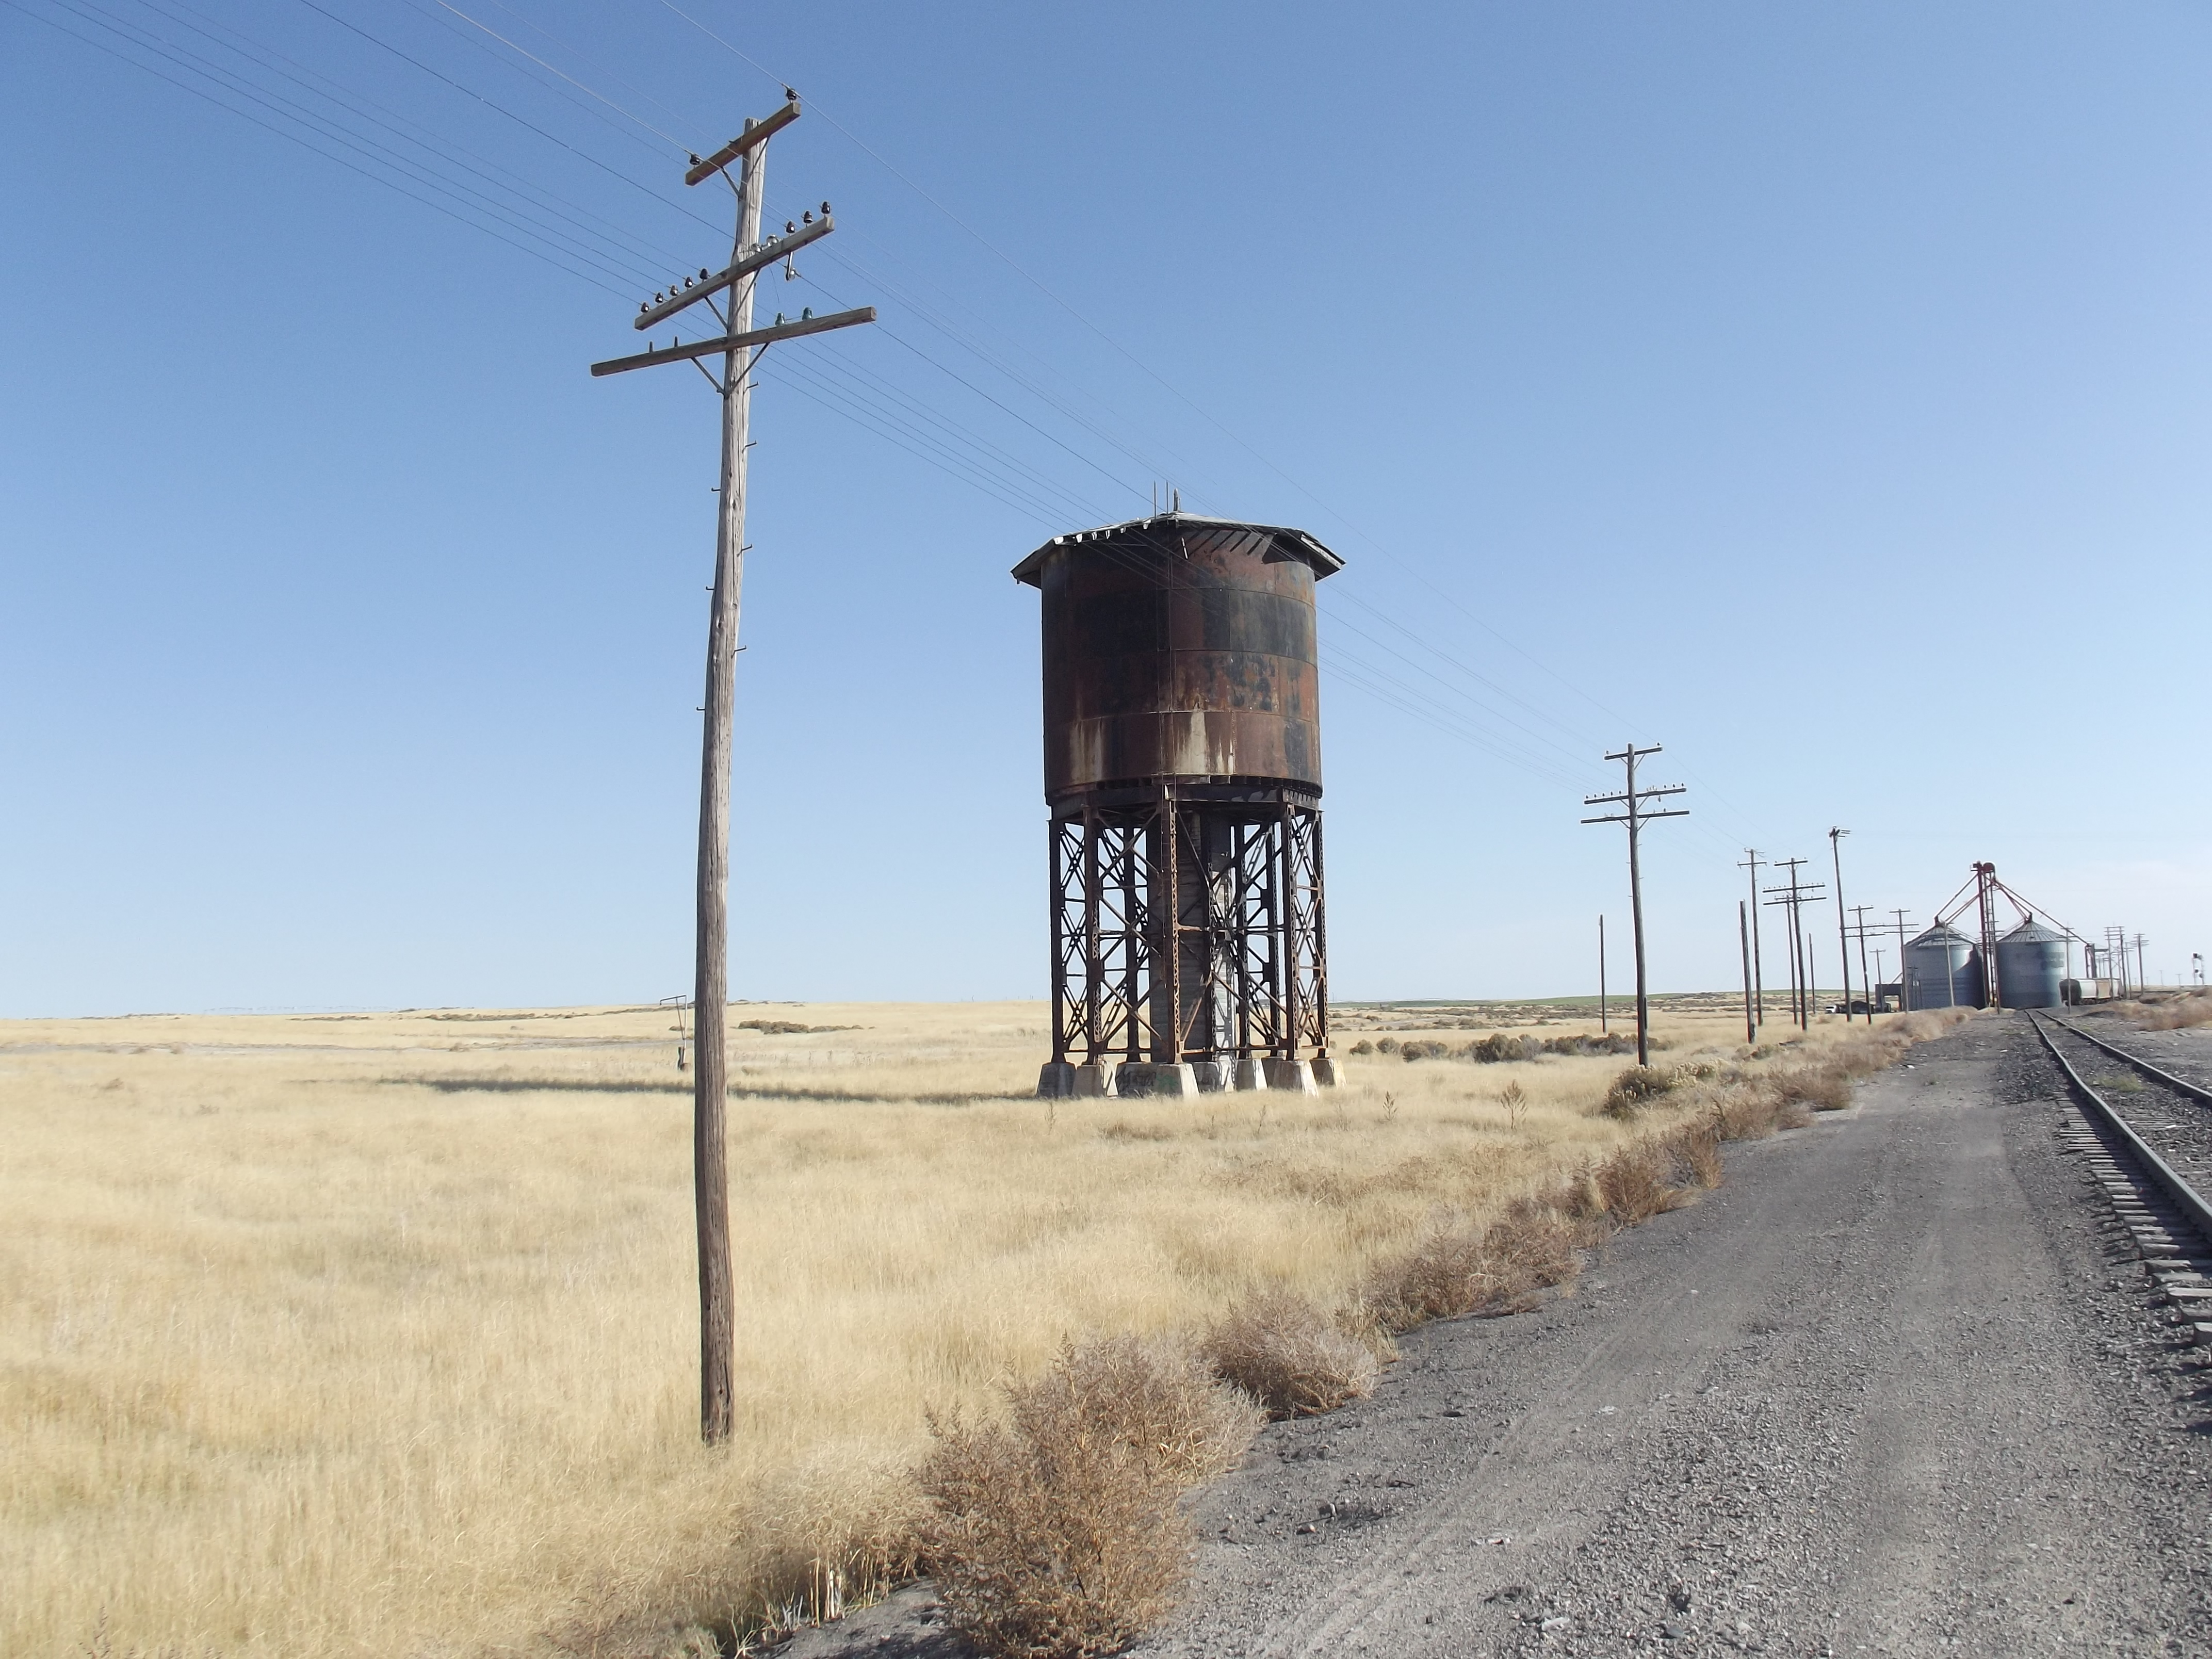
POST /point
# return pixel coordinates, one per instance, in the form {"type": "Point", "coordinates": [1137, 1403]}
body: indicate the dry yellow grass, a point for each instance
{"type": "Point", "coordinates": [376, 1335]}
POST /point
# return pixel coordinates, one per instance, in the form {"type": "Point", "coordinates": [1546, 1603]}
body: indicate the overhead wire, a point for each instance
{"type": "Point", "coordinates": [1000, 474]}
{"type": "Point", "coordinates": [1009, 484]}
{"type": "Point", "coordinates": [1503, 748]}
{"type": "Point", "coordinates": [701, 141]}
{"type": "Point", "coordinates": [293, 136]}
{"type": "Point", "coordinates": [1148, 371]}
{"type": "Point", "coordinates": [1373, 542]}
{"type": "Point", "coordinates": [678, 144]}
{"type": "Point", "coordinates": [657, 196]}
{"type": "Point", "coordinates": [959, 337]}
{"type": "Point", "coordinates": [426, 11]}
{"type": "Point", "coordinates": [613, 238]}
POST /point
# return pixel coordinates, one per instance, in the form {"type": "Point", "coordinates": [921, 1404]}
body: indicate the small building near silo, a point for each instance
{"type": "Point", "coordinates": [1942, 970]}
{"type": "Point", "coordinates": [2032, 966]}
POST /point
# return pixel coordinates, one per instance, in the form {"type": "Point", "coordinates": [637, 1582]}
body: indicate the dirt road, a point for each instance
{"type": "Point", "coordinates": [1896, 1388]}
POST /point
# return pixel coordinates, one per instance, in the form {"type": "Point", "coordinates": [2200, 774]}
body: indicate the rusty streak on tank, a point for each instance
{"type": "Point", "coordinates": [1180, 648]}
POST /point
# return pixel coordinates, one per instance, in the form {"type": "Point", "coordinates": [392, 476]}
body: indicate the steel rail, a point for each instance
{"type": "Point", "coordinates": [2195, 1090]}
{"type": "Point", "coordinates": [2167, 1177]}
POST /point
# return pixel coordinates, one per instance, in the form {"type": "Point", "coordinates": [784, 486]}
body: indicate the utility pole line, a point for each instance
{"type": "Point", "coordinates": [1636, 815]}
{"type": "Point", "coordinates": [1843, 935]}
{"type": "Point", "coordinates": [1872, 989]}
{"type": "Point", "coordinates": [1757, 966]}
{"type": "Point", "coordinates": [1796, 896]}
{"type": "Point", "coordinates": [2142, 974]}
{"type": "Point", "coordinates": [1797, 994]}
{"type": "Point", "coordinates": [1904, 984]}
{"type": "Point", "coordinates": [739, 345]}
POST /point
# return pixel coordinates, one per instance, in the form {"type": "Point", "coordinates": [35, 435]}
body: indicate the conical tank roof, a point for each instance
{"type": "Point", "coordinates": [2032, 932]}
{"type": "Point", "coordinates": [1941, 934]}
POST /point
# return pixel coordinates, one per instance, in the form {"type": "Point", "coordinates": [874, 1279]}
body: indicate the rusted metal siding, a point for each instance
{"type": "Point", "coordinates": [1178, 650]}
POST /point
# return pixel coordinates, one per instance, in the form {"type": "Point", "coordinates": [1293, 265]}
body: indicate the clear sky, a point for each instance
{"type": "Point", "coordinates": [1823, 392]}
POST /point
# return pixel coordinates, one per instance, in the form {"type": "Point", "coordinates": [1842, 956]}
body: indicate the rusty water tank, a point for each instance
{"type": "Point", "coordinates": [1180, 648]}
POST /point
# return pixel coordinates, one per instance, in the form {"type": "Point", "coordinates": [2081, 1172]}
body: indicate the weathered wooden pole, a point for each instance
{"type": "Point", "coordinates": [711, 1082]}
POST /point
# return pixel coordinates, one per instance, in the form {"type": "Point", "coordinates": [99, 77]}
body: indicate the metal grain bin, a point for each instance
{"type": "Point", "coordinates": [1180, 648]}
{"type": "Point", "coordinates": [1942, 970]}
{"type": "Point", "coordinates": [2031, 966]}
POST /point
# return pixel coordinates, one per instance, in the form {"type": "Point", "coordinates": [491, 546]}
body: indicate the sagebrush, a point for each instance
{"type": "Point", "coordinates": [1059, 1532]}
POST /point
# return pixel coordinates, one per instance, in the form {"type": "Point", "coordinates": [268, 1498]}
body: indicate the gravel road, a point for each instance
{"type": "Point", "coordinates": [1898, 1387]}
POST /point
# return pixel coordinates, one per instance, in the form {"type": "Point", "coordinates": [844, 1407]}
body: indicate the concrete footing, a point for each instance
{"type": "Point", "coordinates": [1060, 1080]}
{"type": "Point", "coordinates": [1141, 1078]}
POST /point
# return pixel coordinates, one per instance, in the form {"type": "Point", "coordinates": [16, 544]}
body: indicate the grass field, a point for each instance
{"type": "Point", "coordinates": [376, 1334]}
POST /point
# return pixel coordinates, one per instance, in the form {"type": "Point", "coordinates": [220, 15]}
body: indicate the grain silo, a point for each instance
{"type": "Point", "coordinates": [1182, 777]}
{"type": "Point", "coordinates": [2031, 966]}
{"type": "Point", "coordinates": [1942, 970]}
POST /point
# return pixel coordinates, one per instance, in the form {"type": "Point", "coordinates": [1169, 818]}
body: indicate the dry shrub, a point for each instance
{"type": "Point", "coordinates": [1499, 1046]}
{"type": "Point", "coordinates": [836, 1531]}
{"type": "Point", "coordinates": [1823, 1088]}
{"type": "Point", "coordinates": [1754, 1109]}
{"type": "Point", "coordinates": [1457, 1270]}
{"type": "Point", "coordinates": [1924, 1024]}
{"type": "Point", "coordinates": [1695, 1150]}
{"type": "Point", "coordinates": [2170, 1013]}
{"type": "Point", "coordinates": [1536, 1242]}
{"type": "Point", "coordinates": [1442, 1277]}
{"type": "Point", "coordinates": [1059, 1533]}
{"type": "Point", "coordinates": [1634, 1185]}
{"type": "Point", "coordinates": [1615, 1043]}
{"type": "Point", "coordinates": [1288, 1355]}
{"type": "Point", "coordinates": [1635, 1089]}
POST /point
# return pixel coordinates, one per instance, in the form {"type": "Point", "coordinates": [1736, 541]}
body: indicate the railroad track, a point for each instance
{"type": "Point", "coordinates": [2147, 1136]}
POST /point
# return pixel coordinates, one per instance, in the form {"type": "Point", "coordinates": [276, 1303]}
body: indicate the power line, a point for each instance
{"type": "Point", "coordinates": [290, 109]}
{"type": "Point", "coordinates": [294, 138]}
{"type": "Point", "coordinates": [676, 143]}
{"type": "Point", "coordinates": [495, 106]}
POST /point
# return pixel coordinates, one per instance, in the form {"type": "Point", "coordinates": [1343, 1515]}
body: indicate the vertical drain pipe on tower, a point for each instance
{"type": "Point", "coordinates": [1182, 782]}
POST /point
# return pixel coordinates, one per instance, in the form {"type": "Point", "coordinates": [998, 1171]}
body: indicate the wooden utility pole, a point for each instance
{"type": "Point", "coordinates": [1757, 966]}
{"type": "Point", "coordinates": [1743, 938]}
{"type": "Point", "coordinates": [739, 345]}
{"type": "Point", "coordinates": [1635, 815]}
{"type": "Point", "coordinates": [1842, 926]}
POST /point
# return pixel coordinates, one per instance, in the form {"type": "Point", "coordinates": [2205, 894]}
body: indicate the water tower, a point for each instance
{"type": "Point", "coordinates": [1183, 776]}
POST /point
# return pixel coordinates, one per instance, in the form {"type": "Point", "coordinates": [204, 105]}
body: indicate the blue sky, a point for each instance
{"type": "Point", "coordinates": [1822, 392]}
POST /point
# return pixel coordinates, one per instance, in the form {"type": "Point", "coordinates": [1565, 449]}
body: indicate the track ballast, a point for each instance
{"type": "Point", "coordinates": [2148, 1136]}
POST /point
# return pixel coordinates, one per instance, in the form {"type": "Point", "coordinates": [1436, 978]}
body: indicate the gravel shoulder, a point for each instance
{"type": "Point", "coordinates": [1898, 1387]}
